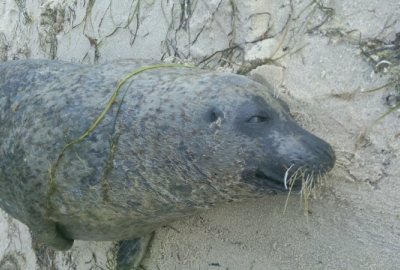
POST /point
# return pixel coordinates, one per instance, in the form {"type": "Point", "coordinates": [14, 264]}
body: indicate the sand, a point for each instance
{"type": "Point", "coordinates": [322, 57]}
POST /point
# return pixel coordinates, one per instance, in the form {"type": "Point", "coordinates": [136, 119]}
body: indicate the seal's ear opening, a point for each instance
{"type": "Point", "coordinates": [212, 115]}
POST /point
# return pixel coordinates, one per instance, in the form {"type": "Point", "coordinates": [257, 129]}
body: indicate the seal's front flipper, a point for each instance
{"type": "Point", "coordinates": [131, 252]}
{"type": "Point", "coordinates": [46, 231]}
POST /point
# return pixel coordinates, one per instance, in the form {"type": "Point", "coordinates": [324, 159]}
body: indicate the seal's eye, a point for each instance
{"type": "Point", "coordinates": [257, 119]}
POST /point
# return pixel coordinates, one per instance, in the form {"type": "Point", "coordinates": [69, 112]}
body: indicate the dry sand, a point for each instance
{"type": "Point", "coordinates": [317, 55]}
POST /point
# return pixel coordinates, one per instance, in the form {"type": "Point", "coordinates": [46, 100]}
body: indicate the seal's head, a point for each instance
{"type": "Point", "coordinates": [275, 147]}
{"type": "Point", "coordinates": [290, 154]}
{"type": "Point", "coordinates": [232, 135]}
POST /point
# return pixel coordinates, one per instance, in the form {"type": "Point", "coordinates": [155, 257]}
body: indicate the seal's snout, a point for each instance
{"type": "Point", "coordinates": [319, 155]}
{"type": "Point", "coordinates": [316, 154]}
{"type": "Point", "coordinates": [316, 157]}
{"type": "Point", "coordinates": [302, 157]}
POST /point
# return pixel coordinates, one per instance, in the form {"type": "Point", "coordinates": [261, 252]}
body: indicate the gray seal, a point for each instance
{"type": "Point", "coordinates": [174, 141]}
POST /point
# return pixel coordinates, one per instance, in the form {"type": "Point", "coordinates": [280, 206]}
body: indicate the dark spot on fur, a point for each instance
{"type": "Point", "coordinates": [92, 138]}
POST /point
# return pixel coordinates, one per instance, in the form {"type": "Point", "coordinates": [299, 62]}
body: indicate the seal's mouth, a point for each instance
{"type": "Point", "coordinates": [278, 184]}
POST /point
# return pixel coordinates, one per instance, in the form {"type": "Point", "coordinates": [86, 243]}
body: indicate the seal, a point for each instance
{"type": "Point", "coordinates": [172, 142]}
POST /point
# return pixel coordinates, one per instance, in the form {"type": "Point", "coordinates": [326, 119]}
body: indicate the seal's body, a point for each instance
{"type": "Point", "coordinates": [174, 141]}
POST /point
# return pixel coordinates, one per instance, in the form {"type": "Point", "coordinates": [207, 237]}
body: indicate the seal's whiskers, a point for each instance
{"type": "Point", "coordinates": [307, 184]}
